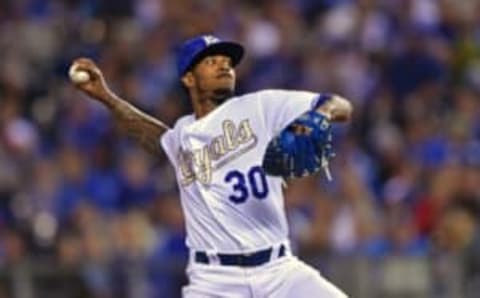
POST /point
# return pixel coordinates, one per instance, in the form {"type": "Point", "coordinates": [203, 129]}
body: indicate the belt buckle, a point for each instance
{"type": "Point", "coordinates": [214, 259]}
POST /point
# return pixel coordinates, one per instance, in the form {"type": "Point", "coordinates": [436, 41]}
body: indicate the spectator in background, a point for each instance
{"type": "Point", "coordinates": [459, 232]}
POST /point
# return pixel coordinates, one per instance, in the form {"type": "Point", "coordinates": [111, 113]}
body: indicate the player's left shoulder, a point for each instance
{"type": "Point", "coordinates": [255, 96]}
{"type": "Point", "coordinates": [242, 100]}
{"type": "Point", "coordinates": [266, 93]}
{"type": "Point", "coordinates": [280, 94]}
{"type": "Point", "coordinates": [246, 96]}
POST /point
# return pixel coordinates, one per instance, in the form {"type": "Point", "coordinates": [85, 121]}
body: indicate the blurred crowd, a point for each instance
{"type": "Point", "coordinates": [407, 171]}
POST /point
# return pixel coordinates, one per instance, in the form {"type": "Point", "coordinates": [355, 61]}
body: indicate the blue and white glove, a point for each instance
{"type": "Point", "coordinates": [302, 149]}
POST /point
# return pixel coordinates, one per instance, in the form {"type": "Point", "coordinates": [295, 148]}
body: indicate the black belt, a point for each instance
{"type": "Point", "coordinates": [243, 260]}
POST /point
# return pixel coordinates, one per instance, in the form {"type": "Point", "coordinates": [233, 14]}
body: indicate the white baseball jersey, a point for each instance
{"type": "Point", "coordinates": [230, 205]}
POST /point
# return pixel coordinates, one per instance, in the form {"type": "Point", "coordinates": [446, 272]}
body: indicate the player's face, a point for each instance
{"type": "Point", "coordinates": [214, 74]}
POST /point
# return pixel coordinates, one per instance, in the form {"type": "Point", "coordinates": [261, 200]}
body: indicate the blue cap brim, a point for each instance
{"type": "Point", "coordinates": [227, 48]}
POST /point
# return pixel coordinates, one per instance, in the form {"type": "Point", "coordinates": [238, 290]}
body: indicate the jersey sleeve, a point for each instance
{"type": "Point", "coordinates": [281, 107]}
{"type": "Point", "coordinates": [168, 144]}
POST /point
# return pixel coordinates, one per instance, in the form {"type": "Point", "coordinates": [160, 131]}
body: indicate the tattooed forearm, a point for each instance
{"type": "Point", "coordinates": [141, 127]}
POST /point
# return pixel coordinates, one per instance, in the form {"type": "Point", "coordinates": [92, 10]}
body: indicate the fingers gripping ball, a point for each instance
{"type": "Point", "coordinates": [302, 149]}
{"type": "Point", "coordinates": [78, 76]}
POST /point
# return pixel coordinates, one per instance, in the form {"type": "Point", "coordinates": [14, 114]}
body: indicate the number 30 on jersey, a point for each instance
{"type": "Point", "coordinates": [253, 183]}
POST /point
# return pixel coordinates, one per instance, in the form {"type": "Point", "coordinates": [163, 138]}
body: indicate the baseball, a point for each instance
{"type": "Point", "coordinates": [78, 76]}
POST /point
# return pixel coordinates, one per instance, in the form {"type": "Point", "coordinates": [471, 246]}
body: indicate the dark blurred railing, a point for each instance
{"type": "Point", "coordinates": [394, 277]}
{"type": "Point", "coordinates": [360, 277]}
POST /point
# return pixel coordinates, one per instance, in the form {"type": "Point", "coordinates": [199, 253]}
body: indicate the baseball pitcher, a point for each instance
{"type": "Point", "coordinates": [230, 157]}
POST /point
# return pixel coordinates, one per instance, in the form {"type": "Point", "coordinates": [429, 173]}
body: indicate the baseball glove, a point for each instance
{"type": "Point", "coordinates": [302, 149]}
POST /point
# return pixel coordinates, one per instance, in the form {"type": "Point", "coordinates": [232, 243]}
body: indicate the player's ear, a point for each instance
{"type": "Point", "coordinates": [188, 80]}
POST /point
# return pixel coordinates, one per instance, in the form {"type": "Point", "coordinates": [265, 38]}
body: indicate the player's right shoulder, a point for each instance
{"type": "Point", "coordinates": [182, 121]}
{"type": "Point", "coordinates": [170, 140]}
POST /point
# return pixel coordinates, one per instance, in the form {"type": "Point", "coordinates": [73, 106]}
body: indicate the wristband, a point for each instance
{"type": "Point", "coordinates": [321, 99]}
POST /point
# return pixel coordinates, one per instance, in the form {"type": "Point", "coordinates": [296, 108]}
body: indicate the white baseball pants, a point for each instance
{"type": "Point", "coordinates": [285, 277]}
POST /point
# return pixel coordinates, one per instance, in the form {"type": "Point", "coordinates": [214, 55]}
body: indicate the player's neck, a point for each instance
{"type": "Point", "coordinates": [202, 108]}
{"type": "Point", "coordinates": [204, 104]}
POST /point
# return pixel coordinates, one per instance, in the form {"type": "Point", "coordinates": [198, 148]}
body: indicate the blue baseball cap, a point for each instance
{"type": "Point", "coordinates": [197, 48]}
